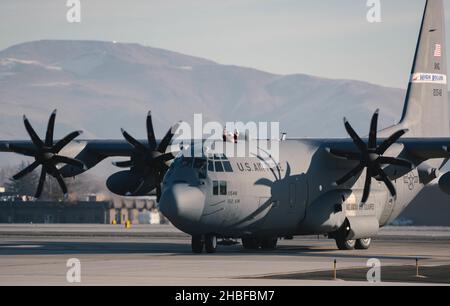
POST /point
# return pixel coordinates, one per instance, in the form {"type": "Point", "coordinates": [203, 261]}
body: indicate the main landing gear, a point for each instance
{"type": "Point", "coordinates": [346, 245]}
{"type": "Point", "coordinates": [208, 242]}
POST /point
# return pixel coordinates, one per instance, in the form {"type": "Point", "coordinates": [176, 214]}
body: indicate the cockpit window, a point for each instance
{"type": "Point", "coordinates": [200, 164]}
{"type": "Point", "coordinates": [223, 188]}
{"type": "Point", "coordinates": [227, 166]}
{"type": "Point", "coordinates": [215, 188]}
{"type": "Point", "coordinates": [219, 167]}
{"type": "Point", "coordinates": [210, 166]}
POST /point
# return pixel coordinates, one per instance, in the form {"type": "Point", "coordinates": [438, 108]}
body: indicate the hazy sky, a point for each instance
{"type": "Point", "coordinates": [326, 38]}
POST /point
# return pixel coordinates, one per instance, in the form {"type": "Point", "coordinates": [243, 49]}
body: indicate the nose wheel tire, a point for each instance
{"type": "Point", "coordinates": [269, 243]}
{"type": "Point", "coordinates": [197, 244]}
{"type": "Point", "coordinates": [363, 244]}
{"type": "Point", "coordinates": [250, 243]}
{"type": "Point", "coordinates": [210, 243]}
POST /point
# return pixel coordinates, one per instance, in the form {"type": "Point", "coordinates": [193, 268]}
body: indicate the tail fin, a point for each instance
{"type": "Point", "coordinates": [425, 113]}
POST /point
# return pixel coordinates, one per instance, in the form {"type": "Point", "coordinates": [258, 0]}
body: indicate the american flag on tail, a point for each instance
{"type": "Point", "coordinates": [437, 50]}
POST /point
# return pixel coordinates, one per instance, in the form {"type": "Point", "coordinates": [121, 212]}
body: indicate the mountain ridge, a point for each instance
{"type": "Point", "coordinates": [101, 86]}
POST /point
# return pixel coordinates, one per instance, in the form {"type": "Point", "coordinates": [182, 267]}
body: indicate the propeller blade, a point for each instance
{"type": "Point", "coordinates": [345, 155]}
{"type": "Point", "coordinates": [26, 171]}
{"type": "Point", "coordinates": [395, 161]}
{"type": "Point", "coordinates": [264, 182]}
{"type": "Point", "coordinates": [367, 185]}
{"type": "Point", "coordinates": [133, 142]}
{"type": "Point", "coordinates": [61, 183]}
{"type": "Point", "coordinates": [69, 161]}
{"type": "Point", "coordinates": [386, 181]}
{"type": "Point", "coordinates": [164, 168]}
{"type": "Point", "coordinates": [23, 151]}
{"type": "Point", "coordinates": [150, 132]}
{"type": "Point", "coordinates": [164, 157]}
{"type": "Point", "coordinates": [356, 139]}
{"type": "Point", "coordinates": [350, 175]}
{"type": "Point", "coordinates": [34, 137]}
{"type": "Point", "coordinates": [373, 130]}
{"type": "Point", "coordinates": [158, 192]}
{"type": "Point", "coordinates": [41, 183]}
{"type": "Point", "coordinates": [168, 138]}
{"type": "Point", "coordinates": [138, 186]}
{"type": "Point", "coordinates": [390, 141]}
{"type": "Point", "coordinates": [123, 164]}
{"type": "Point", "coordinates": [288, 171]}
{"type": "Point", "coordinates": [50, 130]}
{"type": "Point", "coordinates": [65, 141]}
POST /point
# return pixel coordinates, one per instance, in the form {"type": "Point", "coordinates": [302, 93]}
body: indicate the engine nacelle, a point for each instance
{"type": "Point", "coordinates": [125, 183]}
{"type": "Point", "coordinates": [444, 183]}
{"type": "Point", "coordinates": [325, 215]}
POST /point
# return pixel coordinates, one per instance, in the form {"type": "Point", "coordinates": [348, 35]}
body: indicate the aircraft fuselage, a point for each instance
{"type": "Point", "coordinates": [245, 196]}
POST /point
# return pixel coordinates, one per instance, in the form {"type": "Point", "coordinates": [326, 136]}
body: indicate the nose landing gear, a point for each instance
{"type": "Point", "coordinates": [208, 242]}
{"type": "Point", "coordinates": [197, 244]}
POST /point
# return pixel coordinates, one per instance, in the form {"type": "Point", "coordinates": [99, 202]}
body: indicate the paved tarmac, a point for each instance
{"type": "Point", "coordinates": [161, 255]}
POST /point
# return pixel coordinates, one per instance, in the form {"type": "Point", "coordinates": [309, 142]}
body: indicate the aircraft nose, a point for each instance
{"type": "Point", "coordinates": [182, 204]}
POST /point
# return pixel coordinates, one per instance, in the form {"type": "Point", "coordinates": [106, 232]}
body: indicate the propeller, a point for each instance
{"type": "Point", "coordinates": [371, 157]}
{"type": "Point", "coordinates": [46, 154]}
{"type": "Point", "coordinates": [149, 160]}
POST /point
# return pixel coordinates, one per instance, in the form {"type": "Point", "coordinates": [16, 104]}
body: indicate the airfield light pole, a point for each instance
{"type": "Point", "coordinates": [335, 269]}
{"type": "Point", "coordinates": [417, 267]}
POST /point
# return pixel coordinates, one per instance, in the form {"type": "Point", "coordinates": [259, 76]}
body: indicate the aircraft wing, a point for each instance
{"type": "Point", "coordinates": [89, 152]}
{"type": "Point", "coordinates": [104, 148]}
{"type": "Point", "coordinates": [417, 148]}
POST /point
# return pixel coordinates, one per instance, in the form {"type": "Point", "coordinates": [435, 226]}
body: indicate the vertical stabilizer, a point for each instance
{"type": "Point", "coordinates": [425, 112]}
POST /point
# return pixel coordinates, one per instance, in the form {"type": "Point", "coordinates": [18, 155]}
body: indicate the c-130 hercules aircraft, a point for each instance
{"type": "Point", "coordinates": [343, 188]}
